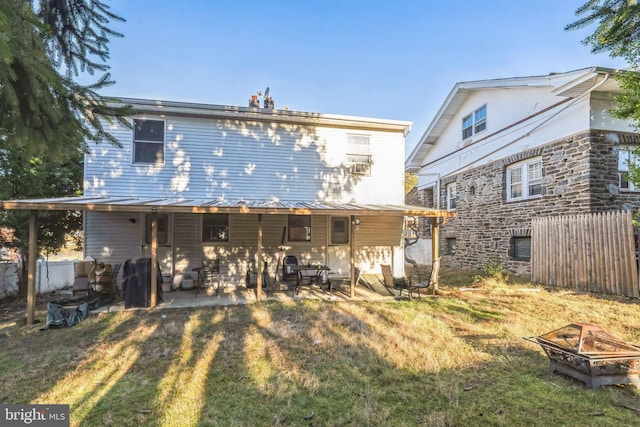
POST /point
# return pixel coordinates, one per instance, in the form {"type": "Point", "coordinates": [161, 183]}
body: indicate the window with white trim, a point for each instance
{"type": "Point", "coordinates": [475, 122]}
{"type": "Point", "coordinates": [452, 196]}
{"type": "Point", "coordinates": [359, 154]}
{"type": "Point", "coordinates": [524, 180]}
{"type": "Point", "coordinates": [148, 141]}
{"type": "Point", "coordinates": [626, 158]}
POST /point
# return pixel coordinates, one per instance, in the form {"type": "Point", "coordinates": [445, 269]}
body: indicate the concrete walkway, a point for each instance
{"type": "Point", "coordinates": [233, 295]}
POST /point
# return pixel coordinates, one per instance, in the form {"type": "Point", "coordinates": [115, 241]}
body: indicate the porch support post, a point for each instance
{"type": "Point", "coordinates": [259, 260]}
{"type": "Point", "coordinates": [435, 251]}
{"type": "Point", "coordinates": [154, 258]}
{"type": "Point", "coordinates": [352, 262]}
{"type": "Point", "coordinates": [31, 274]}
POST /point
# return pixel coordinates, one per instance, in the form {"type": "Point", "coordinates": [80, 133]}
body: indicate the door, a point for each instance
{"type": "Point", "coordinates": [165, 253]}
{"type": "Point", "coordinates": [339, 255]}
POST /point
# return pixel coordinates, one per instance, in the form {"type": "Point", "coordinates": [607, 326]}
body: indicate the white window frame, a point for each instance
{"type": "Point", "coordinates": [147, 141]}
{"type": "Point", "coordinates": [475, 122]}
{"type": "Point", "coordinates": [452, 196]}
{"type": "Point", "coordinates": [526, 181]}
{"type": "Point", "coordinates": [359, 154]}
{"type": "Point", "coordinates": [626, 156]}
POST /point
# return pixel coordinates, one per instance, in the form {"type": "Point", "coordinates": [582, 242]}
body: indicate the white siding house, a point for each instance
{"type": "Point", "coordinates": [215, 181]}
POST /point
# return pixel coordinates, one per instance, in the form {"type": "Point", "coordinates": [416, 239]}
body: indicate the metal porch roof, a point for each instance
{"type": "Point", "coordinates": [181, 205]}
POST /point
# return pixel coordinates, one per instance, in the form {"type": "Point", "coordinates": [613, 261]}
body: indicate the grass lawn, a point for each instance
{"type": "Point", "coordinates": [453, 360]}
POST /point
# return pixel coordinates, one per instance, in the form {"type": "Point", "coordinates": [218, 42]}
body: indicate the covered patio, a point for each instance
{"type": "Point", "coordinates": [235, 295]}
{"type": "Point", "coordinates": [156, 206]}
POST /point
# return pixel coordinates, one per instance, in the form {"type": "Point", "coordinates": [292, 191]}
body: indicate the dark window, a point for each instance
{"type": "Point", "coordinates": [148, 141]}
{"type": "Point", "coordinates": [451, 245]}
{"type": "Point", "coordinates": [299, 228]}
{"type": "Point", "coordinates": [163, 229]}
{"type": "Point", "coordinates": [521, 247]}
{"type": "Point", "coordinates": [339, 230]}
{"type": "Point", "coordinates": [215, 227]}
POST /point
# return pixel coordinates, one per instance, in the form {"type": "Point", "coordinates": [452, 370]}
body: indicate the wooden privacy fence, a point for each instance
{"type": "Point", "coordinates": [591, 252]}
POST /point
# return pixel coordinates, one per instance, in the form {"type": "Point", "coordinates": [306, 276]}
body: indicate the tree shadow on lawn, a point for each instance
{"type": "Point", "coordinates": [300, 363]}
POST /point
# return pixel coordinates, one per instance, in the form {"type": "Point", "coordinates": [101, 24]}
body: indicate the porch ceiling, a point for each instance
{"type": "Point", "coordinates": [178, 205]}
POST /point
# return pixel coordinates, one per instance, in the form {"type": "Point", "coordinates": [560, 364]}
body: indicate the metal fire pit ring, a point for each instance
{"type": "Point", "coordinates": [590, 354]}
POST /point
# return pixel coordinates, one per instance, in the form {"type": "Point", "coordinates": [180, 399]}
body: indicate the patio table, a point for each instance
{"type": "Point", "coordinates": [313, 272]}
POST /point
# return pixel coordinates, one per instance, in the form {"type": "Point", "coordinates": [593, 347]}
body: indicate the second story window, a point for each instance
{"type": "Point", "coordinates": [474, 123]}
{"type": "Point", "coordinates": [524, 180]}
{"type": "Point", "coordinates": [626, 158]}
{"type": "Point", "coordinates": [452, 196]}
{"type": "Point", "coordinates": [148, 141]}
{"type": "Point", "coordinates": [358, 154]}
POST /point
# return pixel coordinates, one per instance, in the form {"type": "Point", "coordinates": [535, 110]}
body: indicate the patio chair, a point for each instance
{"type": "Point", "coordinates": [288, 274]}
{"type": "Point", "coordinates": [397, 283]}
{"type": "Point", "coordinates": [208, 274]}
{"type": "Point", "coordinates": [433, 279]}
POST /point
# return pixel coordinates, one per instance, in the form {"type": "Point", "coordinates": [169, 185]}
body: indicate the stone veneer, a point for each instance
{"type": "Point", "coordinates": [580, 176]}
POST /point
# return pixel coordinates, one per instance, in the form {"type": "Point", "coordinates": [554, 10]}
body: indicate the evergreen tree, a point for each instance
{"type": "Point", "coordinates": [46, 117]}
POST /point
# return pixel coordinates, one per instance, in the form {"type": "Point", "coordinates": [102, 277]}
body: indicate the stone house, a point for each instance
{"type": "Point", "coordinates": [500, 152]}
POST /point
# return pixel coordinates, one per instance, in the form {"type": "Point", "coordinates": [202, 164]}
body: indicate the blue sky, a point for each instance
{"type": "Point", "coordinates": [387, 59]}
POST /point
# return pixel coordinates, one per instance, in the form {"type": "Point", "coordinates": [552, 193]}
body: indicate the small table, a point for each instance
{"type": "Point", "coordinates": [313, 272]}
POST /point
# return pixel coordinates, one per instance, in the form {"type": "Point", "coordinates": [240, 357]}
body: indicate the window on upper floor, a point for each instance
{"type": "Point", "coordinates": [474, 123]}
{"type": "Point", "coordinates": [626, 157]}
{"type": "Point", "coordinates": [452, 196]}
{"type": "Point", "coordinates": [299, 228]}
{"type": "Point", "coordinates": [359, 154]}
{"type": "Point", "coordinates": [215, 228]}
{"type": "Point", "coordinates": [524, 180]}
{"type": "Point", "coordinates": [148, 141]}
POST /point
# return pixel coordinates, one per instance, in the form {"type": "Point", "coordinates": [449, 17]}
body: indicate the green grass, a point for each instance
{"type": "Point", "coordinates": [452, 360]}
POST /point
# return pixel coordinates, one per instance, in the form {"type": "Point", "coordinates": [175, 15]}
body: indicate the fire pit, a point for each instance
{"type": "Point", "coordinates": [590, 354]}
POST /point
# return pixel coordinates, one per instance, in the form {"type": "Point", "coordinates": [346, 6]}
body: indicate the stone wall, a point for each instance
{"type": "Point", "coordinates": [580, 176]}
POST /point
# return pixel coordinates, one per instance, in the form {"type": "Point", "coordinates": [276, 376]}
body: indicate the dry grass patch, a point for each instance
{"type": "Point", "coordinates": [436, 361]}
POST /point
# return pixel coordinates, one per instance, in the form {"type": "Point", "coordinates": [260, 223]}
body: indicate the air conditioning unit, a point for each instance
{"type": "Point", "coordinates": [359, 168]}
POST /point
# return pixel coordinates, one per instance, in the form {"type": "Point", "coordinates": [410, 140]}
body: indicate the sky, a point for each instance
{"type": "Point", "coordinates": [385, 59]}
